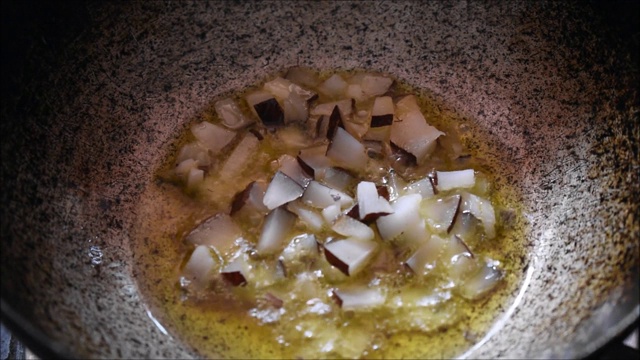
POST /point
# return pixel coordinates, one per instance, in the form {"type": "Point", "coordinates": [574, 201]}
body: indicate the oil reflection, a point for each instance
{"type": "Point", "coordinates": [500, 323]}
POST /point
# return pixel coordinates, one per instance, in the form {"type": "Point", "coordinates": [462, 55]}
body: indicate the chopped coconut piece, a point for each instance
{"type": "Point", "coordinates": [231, 115]}
{"type": "Point", "coordinates": [317, 126]}
{"type": "Point", "coordinates": [417, 233]}
{"type": "Point", "coordinates": [350, 227]}
{"type": "Point", "coordinates": [467, 226]}
{"type": "Point", "coordinates": [337, 178]}
{"type": "Point", "coordinates": [236, 272]}
{"type": "Point", "coordinates": [482, 210]}
{"type": "Point", "coordinates": [218, 231]}
{"type": "Point", "coordinates": [277, 225]}
{"type": "Point", "coordinates": [424, 187]}
{"type": "Point", "coordinates": [405, 216]}
{"type": "Point", "coordinates": [441, 213]}
{"type": "Point", "coordinates": [334, 86]}
{"type": "Point", "coordinates": [345, 106]}
{"type": "Point", "coordinates": [381, 119]}
{"type": "Point", "coordinates": [293, 97]}
{"type": "Point", "coordinates": [264, 273]}
{"type": "Point", "coordinates": [307, 214]}
{"type": "Point", "coordinates": [212, 137]}
{"type": "Point", "coordinates": [282, 88]}
{"type": "Point", "coordinates": [266, 108]}
{"type": "Point", "coordinates": [199, 268]}
{"type": "Point", "coordinates": [256, 97]}
{"type": "Point", "coordinates": [314, 160]}
{"type": "Point", "coordinates": [459, 259]}
{"type": "Point", "coordinates": [411, 131]}
{"type": "Point", "coordinates": [401, 159]}
{"type": "Point", "coordinates": [448, 180]}
{"type": "Point", "coordinates": [297, 255]}
{"type": "Point", "coordinates": [252, 196]}
{"type": "Point", "coordinates": [303, 76]}
{"type": "Point", "coordinates": [296, 109]}
{"type": "Point", "coordinates": [335, 121]}
{"type": "Point", "coordinates": [301, 247]}
{"type": "Point", "coordinates": [241, 155]}
{"type": "Point", "coordinates": [354, 91]}
{"type": "Point", "coordinates": [396, 185]}
{"type": "Point", "coordinates": [375, 85]}
{"type": "Point", "coordinates": [278, 87]}
{"type": "Point", "coordinates": [382, 112]}
{"type": "Point", "coordinates": [483, 281]}
{"type": "Point", "coordinates": [370, 203]}
{"type": "Point", "coordinates": [195, 178]}
{"type": "Point", "coordinates": [359, 298]}
{"type": "Point", "coordinates": [321, 196]}
{"type": "Point", "coordinates": [184, 168]}
{"type": "Point", "coordinates": [194, 151]}
{"type": "Point", "coordinates": [350, 255]}
{"type": "Point", "coordinates": [331, 213]}
{"type": "Point", "coordinates": [424, 260]}
{"type": "Point", "coordinates": [282, 189]}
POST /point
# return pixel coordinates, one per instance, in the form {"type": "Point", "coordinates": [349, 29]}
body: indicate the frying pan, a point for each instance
{"type": "Point", "coordinates": [96, 94]}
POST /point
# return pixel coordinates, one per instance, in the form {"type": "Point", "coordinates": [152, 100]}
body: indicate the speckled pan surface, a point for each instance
{"type": "Point", "coordinates": [98, 106]}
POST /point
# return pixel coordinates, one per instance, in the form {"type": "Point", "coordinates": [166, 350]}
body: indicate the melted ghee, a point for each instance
{"type": "Point", "coordinates": [220, 326]}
